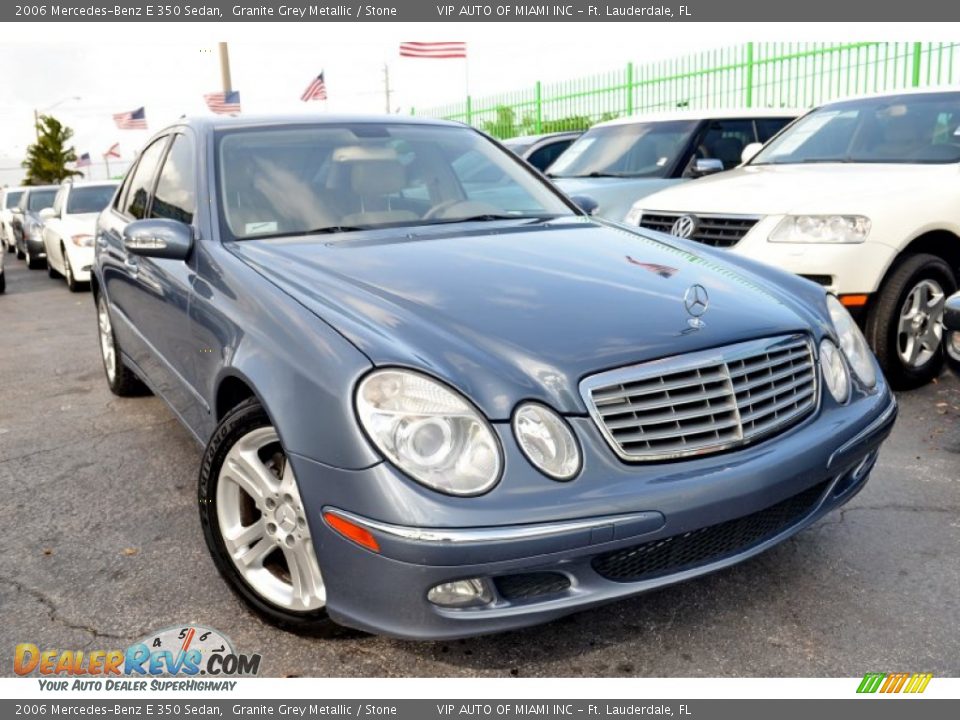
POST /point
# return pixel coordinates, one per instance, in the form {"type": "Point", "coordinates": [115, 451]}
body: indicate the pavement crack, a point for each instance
{"type": "Point", "coordinates": [55, 616]}
{"type": "Point", "coordinates": [87, 440]}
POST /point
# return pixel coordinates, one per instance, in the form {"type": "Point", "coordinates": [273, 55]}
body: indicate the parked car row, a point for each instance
{"type": "Point", "coordinates": [54, 226]}
{"type": "Point", "coordinates": [861, 196]}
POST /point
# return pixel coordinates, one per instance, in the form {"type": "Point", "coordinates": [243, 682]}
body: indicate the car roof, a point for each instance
{"type": "Point", "coordinates": [92, 183]}
{"type": "Point", "coordinates": [13, 188]}
{"type": "Point", "coordinates": [707, 114]}
{"type": "Point", "coordinates": [28, 188]}
{"type": "Point", "coordinates": [545, 136]}
{"type": "Point", "coordinates": [936, 90]}
{"type": "Point", "coordinates": [204, 123]}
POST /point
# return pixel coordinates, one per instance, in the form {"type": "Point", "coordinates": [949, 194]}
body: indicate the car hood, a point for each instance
{"type": "Point", "coordinates": [814, 188]}
{"type": "Point", "coordinates": [506, 311]}
{"type": "Point", "coordinates": [76, 224]}
{"type": "Point", "coordinates": [614, 196]}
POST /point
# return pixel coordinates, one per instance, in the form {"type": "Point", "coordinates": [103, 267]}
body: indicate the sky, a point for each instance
{"type": "Point", "coordinates": [115, 67]}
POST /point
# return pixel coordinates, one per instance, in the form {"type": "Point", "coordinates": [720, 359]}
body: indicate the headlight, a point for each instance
{"type": "Point", "coordinates": [634, 215]}
{"type": "Point", "coordinates": [852, 342]}
{"type": "Point", "coordinates": [430, 432]}
{"type": "Point", "coordinates": [834, 370]}
{"type": "Point", "coordinates": [821, 229]}
{"type": "Point", "coordinates": [547, 441]}
{"type": "Point", "coordinates": [82, 240]}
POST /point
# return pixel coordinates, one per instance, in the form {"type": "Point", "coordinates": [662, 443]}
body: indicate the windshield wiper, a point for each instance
{"type": "Point", "coordinates": [337, 229]}
{"type": "Point", "coordinates": [489, 217]}
{"type": "Point", "coordinates": [595, 174]}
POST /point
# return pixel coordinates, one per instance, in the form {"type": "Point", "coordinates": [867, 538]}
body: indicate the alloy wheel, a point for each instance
{"type": "Point", "coordinates": [107, 348]}
{"type": "Point", "coordinates": [920, 327]}
{"type": "Point", "coordinates": [263, 524]}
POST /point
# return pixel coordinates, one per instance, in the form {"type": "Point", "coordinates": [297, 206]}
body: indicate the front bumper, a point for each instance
{"type": "Point", "coordinates": [577, 547]}
{"type": "Point", "coordinates": [843, 269]}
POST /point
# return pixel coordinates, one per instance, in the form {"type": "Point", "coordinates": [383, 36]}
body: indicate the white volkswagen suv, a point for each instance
{"type": "Point", "coordinates": [861, 196]}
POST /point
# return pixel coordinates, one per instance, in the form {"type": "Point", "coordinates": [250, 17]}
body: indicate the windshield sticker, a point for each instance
{"type": "Point", "coordinates": [266, 226]}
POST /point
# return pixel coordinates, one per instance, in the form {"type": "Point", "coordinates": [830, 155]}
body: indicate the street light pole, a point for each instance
{"type": "Point", "coordinates": [36, 113]}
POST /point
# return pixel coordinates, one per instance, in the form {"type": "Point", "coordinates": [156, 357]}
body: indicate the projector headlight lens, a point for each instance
{"type": "Point", "coordinates": [429, 431]}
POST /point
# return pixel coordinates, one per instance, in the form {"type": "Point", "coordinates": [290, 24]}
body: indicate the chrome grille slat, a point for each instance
{"type": "Point", "coordinates": [706, 401]}
{"type": "Point", "coordinates": [666, 402]}
{"type": "Point", "coordinates": [716, 230]}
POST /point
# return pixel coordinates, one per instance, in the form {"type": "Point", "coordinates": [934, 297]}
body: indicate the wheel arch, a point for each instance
{"type": "Point", "coordinates": [942, 243]}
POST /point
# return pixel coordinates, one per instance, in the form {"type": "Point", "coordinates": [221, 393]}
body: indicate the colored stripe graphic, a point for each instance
{"type": "Point", "coordinates": [894, 682]}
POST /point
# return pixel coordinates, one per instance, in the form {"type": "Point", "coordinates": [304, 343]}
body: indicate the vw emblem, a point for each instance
{"type": "Point", "coordinates": [685, 226]}
{"type": "Point", "coordinates": [696, 301]}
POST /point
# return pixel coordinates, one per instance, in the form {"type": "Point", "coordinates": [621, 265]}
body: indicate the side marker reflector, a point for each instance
{"type": "Point", "coordinates": [854, 300]}
{"type": "Point", "coordinates": [361, 536]}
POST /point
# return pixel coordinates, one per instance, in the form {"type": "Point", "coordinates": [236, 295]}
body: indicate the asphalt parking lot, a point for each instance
{"type": "Point", "coordinates": [102, 544]}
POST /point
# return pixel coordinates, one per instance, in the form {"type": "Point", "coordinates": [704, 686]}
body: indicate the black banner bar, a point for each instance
{"type": "Point", "coordinates": [446, 11]}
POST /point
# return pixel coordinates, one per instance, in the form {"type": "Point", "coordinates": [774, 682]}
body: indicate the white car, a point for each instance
{"type": "Point", "coordinates": [9, 197]}
{"type": "Point", "coordinates": [69, 227]}
{"type": "Point", "coordinates": [861, 196]}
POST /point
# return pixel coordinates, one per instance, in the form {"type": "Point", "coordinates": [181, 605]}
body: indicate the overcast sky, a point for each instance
{"type": "Point", "coordinates": [115, 67]}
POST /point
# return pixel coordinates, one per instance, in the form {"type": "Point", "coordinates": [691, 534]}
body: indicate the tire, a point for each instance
{"type": "Point", "coordinates": [20, 254]}
{"type": "Point", "coordinates": [271, 528]}
{"type": "Point", "coordinates": [34, 263]}
{"type": "Point", "coordinates": [916, 278]}
{"type": "Point", "coordinates": [68, 273]}
{"type": "Point", "coordinates": [51, 273]}
{"type": "Point", "coordinates": [3, 283]}
{"type": "Point", "coordinates": [120, 378]}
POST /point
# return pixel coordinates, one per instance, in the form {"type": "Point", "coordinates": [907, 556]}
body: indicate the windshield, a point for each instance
{"type": "Point", "coordinates": [647, 149]}
{"type": "Point", "coordinates": [900, 129]}
{"type": "Point", "coordinates": [40, 199]}
{"type": "Point", "coordinates": [91, 199]}
{"type": "Point", "coordinates": [339, 177]}
{"type": "Point", "coordinates": [12, 198]}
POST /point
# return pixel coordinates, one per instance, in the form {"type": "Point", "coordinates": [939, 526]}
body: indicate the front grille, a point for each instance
{"type": "Point", "coordinates": [717, 230]}
{"type": "Point", "coordinates": [706, 401]}
{"type": "Point", "coordinates": [706, 545]}
{"type": "Point", "coordinates": [526, 586]}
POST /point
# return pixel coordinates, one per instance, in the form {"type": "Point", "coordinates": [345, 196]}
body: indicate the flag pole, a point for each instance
{"type": "Point", "coordinates": [106, 164]}
{"type": "Point", "coordinates": [225, 68]}
{"type": "Point", "coordinates": [386, 85]}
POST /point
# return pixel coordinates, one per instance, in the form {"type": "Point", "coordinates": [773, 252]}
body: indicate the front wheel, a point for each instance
{"type": "Point", "coordinates": [33, 262]}
{"type": "Point", "coordinates": [68, 274]}
{"type": "Point", "coordinates": [256, 526]}
{"type": "Point", "coordinates": [905, 325]}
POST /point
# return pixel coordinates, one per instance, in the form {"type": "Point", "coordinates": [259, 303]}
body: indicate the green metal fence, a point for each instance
{"type": "Point", "coordinates": [796, 75]}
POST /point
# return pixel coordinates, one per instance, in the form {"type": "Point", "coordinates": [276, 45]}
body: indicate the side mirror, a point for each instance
{"type": "Point", "coordinates": [951, 313]}
{"type": "Point", "coordinates": [158, 238]}
{"type": "Point", "coordinates": [706, 166]}
{"type": "Point", "coordinates": [585, 203]}
{"type": "Point", "coordinates": [750, 152]}
{"type": "Point", "coordinates": [47, 214]}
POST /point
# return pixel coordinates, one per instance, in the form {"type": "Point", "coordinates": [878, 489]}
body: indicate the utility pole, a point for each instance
{"type": "Point", "coordinates": [225, 68]}
{"type": "Point", "coordinates": [386, 85]}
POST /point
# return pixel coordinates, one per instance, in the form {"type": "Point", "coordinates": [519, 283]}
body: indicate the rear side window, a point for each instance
{"type": "Point", "coordinates": [175, 196]}
{"type": "Point", "coordinates": [543, 157]}
{"type": "Point", "coordinates": [138, 193]}
{"type": "Point", "coordinates": [768, 127]}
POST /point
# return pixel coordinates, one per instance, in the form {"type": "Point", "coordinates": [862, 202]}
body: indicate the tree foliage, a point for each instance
{"type": "Point", "coordinates": [506, 125]}
{"type": "Point", "coordinates": [47, 158]}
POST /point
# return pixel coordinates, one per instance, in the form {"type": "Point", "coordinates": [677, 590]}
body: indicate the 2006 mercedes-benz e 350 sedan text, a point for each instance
{"type": "Point", "coordinates": [439, 402]}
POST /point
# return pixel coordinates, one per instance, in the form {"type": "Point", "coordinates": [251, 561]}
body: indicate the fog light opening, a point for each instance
{"type": "Point", "coordinates": [461, 593]}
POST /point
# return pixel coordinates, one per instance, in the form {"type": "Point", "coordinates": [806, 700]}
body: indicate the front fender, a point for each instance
{"type": "Point", "coordinates": [301, 369]}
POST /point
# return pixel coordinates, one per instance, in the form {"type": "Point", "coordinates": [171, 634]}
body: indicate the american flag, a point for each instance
{"type": "Point", "coordinates": [133, 120]}
{"type": "Point", "coordinates": [83, 160]}
{"type": "Point", "coordinates": [316, 90]}
{"type": "Point", "coordinates": [223, 103]}
{"type": "Point", "coordinates": [113, 151]}
{"type": "Point", "coordinates": [434, 50]}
